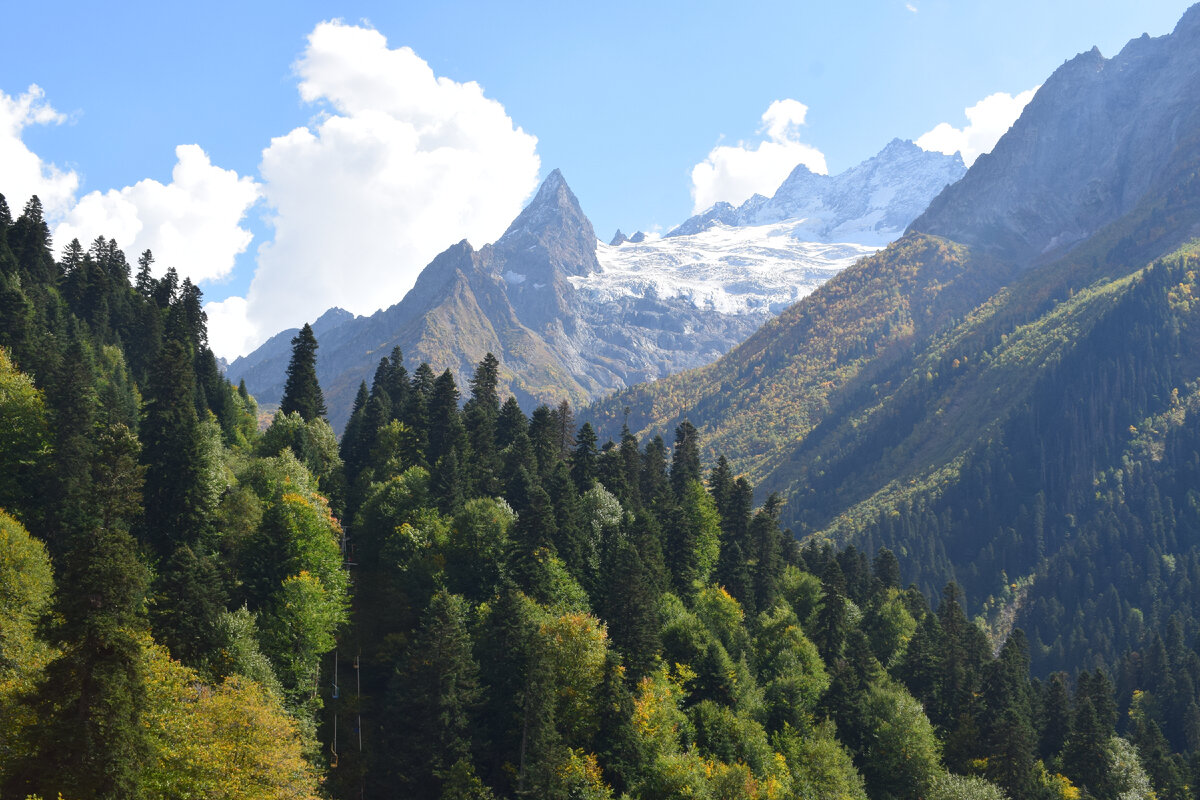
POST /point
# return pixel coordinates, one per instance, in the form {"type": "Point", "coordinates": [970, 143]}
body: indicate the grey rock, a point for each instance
{"type": "Point", "coordinates": [1097, 137]}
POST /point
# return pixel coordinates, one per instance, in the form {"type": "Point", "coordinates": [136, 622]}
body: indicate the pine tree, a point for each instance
{"type": "Point", "coordinates": [436, 691]}
{"type": "Point", "coordinates": [302, 392]}
{"type": "Point", "coordinates": [830, 633]}
{"type": "Point", "coordinates": [480, 417]}
{"type": "Point", "coordinates": [1007, 731]}
{"type": "Point", "coordinates": [1056, 713]}
{"type": "Point", "coordinates": [583, 459]}
{"type": "Point", "coordinates": [720, 484]}
{"type": "Point", "coordinates": [685, 458]}
{"type": "Point", "coordinates": [566, 428]}
{"type": "Point", "coordinates": [654, 483]}
{"type": "Point", "coordinates": [178, 497]}
{"type": "Point", "coordinates": [631, 613]}
{"type": "Point", "coordinates": [543, 436]}
{"type": "Point", "coordinates": [766, 541]}
{"type": "Point", "coordinates": [145, 279]}
{"type": "Point", "coordinates": [91, 741]}
{"type": "Point", "coordinates": [511, 420]}
{"type": "Point", "coordinates": [446, 431]}
{"type": "Point", "coordinates": [355, 445]}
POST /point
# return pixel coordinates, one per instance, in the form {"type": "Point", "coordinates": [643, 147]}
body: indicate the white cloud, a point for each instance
{"type": "Point", "coordinates": [191, 224]}
{"type": "Point", "coordinates": [911, 7]}
{"type": "Point", "coordinates": [24, 173]}
{"type": "Point", "coordinates": [987, 121]}
{"type": "Point", "coordinates": [734, 173]}
{"type": "Point", "coordinates": [402, 165]}
{"type": "Point", "coordinates": [230, 332]}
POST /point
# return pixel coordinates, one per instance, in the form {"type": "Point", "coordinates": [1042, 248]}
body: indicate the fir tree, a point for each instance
{"type": "Point", "coordinates": [302, 393]}
{"type": "Point", "coordinates": [583, 459]}
{"type": "Point", "coordinates": [436, 691]}
{"type": "Point", "coordinates": [685, 458]}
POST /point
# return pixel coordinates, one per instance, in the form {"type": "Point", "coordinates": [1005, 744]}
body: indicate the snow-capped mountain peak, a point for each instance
{"type": "Point", "coordinates": [869, 204]}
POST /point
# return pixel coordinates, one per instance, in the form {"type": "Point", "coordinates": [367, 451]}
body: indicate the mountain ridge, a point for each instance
{"type": "Point", "coordinates": [871, 202]}
{"type": "Point", "coordinates": [566, 324]}
{"type": "Point", "coordinates": [958, 397]}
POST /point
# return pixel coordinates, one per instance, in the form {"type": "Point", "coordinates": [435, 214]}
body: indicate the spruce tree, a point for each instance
{"type": "Point", "coordinates": [480, 417]}
{"type": "Point", "coordinates": [511, 420]}
{"type": "Point", "coordinates": [685, 458]}
{"type": "Point", "coordinates": [302, 392]}
{"type": "Point", "coordinates": [177, 498]}
{"type": "Point", "coordinates": [446, 431]}
{"type": "Point", "coordinates": [631, 613]}
{"type": "Point", "coordinates": [435, 690]}
{"type": "Point", "coordinates": [583, 459]}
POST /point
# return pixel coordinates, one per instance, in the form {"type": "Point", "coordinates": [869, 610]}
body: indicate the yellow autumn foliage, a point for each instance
{"type": "Point", "coordinates": [228, 742]}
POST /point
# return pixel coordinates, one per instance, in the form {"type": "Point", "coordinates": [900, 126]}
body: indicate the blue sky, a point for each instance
{"type": "Point", "coordinates": [625, 98]}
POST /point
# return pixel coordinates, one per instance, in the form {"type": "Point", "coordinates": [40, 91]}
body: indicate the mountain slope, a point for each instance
{"type": "Point", "coordinates": [1097, 137]}
{"type": "Point", "coordinates": [567, 316]}
{"type": "Point", "coordinates": [870, 203]}
{"type": "Point", "coordinates": [957, 397]}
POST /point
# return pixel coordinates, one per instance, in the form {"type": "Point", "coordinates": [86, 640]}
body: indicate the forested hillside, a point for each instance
{"type": "Point", "coordinates": [1006, 404]}
{"type": "Point", "coordinates": [460, 601]}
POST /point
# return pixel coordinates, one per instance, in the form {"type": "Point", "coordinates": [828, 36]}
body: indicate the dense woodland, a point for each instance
{"type": "Point", "coordinates": [1026, 431]}
{"type": "Point", "coordinates": [458, 600]}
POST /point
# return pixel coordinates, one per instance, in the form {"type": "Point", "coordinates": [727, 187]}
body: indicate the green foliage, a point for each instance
{"type": "Point", "coordinates": [508, 628]}
{"type": "Point", "coordinates": [24, 437]}
{"type": "Point", "coordinates": [313, 443]}
{"type": "Point", "coordinates": [902, 759]}
{"type": "Point", "coordinates": [436, 689]}
{"type": "Point", "coordinates": [233, 741]}
{"type": "Point", "coordinates": [298, 628]}
{"type": "Point", "coordinates": [26, 589]}
{"type": "Point", "coordinates": [958, 787]}
{"type": "Point", "coordinates": [302, 393]}
{"type": "Point", "coordinates": [819, 765]}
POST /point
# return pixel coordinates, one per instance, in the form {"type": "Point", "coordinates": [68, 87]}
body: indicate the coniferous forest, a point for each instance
{"type": "Point", "coordinates": [460, 600]}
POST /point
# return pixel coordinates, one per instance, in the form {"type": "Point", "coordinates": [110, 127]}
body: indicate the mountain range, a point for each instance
{"type": "Point", "coordinates": [570, 317]}
{"type": "Point", "coordinates": [1006, 396]}
{"type": "Point", "coordinates": [871, 203]}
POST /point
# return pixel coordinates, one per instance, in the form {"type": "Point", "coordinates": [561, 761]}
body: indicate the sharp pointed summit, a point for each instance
{"type": "Point", "coordinates": [554, 223]}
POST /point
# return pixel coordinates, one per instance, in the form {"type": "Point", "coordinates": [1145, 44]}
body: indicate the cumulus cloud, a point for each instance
{"type": "Point", "coordinates": [734, 172]}
{"type": "Point", "coordinates": [987, 121]}
{"type": "Point", "coordinates": [230, 332]}
{"type": "Point", "coordinates": [400, 165]}
{"type": "Point", "coordinates": [191, 223]}
{"type": "Point", "coordinates": [24, 173]}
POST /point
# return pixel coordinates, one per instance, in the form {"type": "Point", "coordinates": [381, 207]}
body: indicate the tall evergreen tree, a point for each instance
{"type": "Point", "coordinates": [177, 494]}
{"type": "Point", "coordinates": [583, 459]}
{"type": "Point", "coordinates": [302, 391]}
{"type": "Point", "coordinates": [436, 690]}
{"type": "Point", "coordinates": [685, 458]}
{"type": "Point", "coordinates": [446, 431]}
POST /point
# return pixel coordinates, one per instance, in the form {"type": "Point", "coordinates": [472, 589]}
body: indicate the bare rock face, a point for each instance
{"type": "Point", "coordinates": [1098, 135]}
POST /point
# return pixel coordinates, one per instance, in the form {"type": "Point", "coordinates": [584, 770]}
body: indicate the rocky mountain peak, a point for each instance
{"type": "Point", "coordinates": [619, 238]}
{"type": "Point", "coordinates": [555, 226]}
{"type": "Point", "coordinates": [1189, 23]}
{"type": "Point", "coordinates": [870, 203]}
{"type": "Point", "coordinates": [1097, 137]}
{"type": "Point", "coordinates": [331, 319]}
